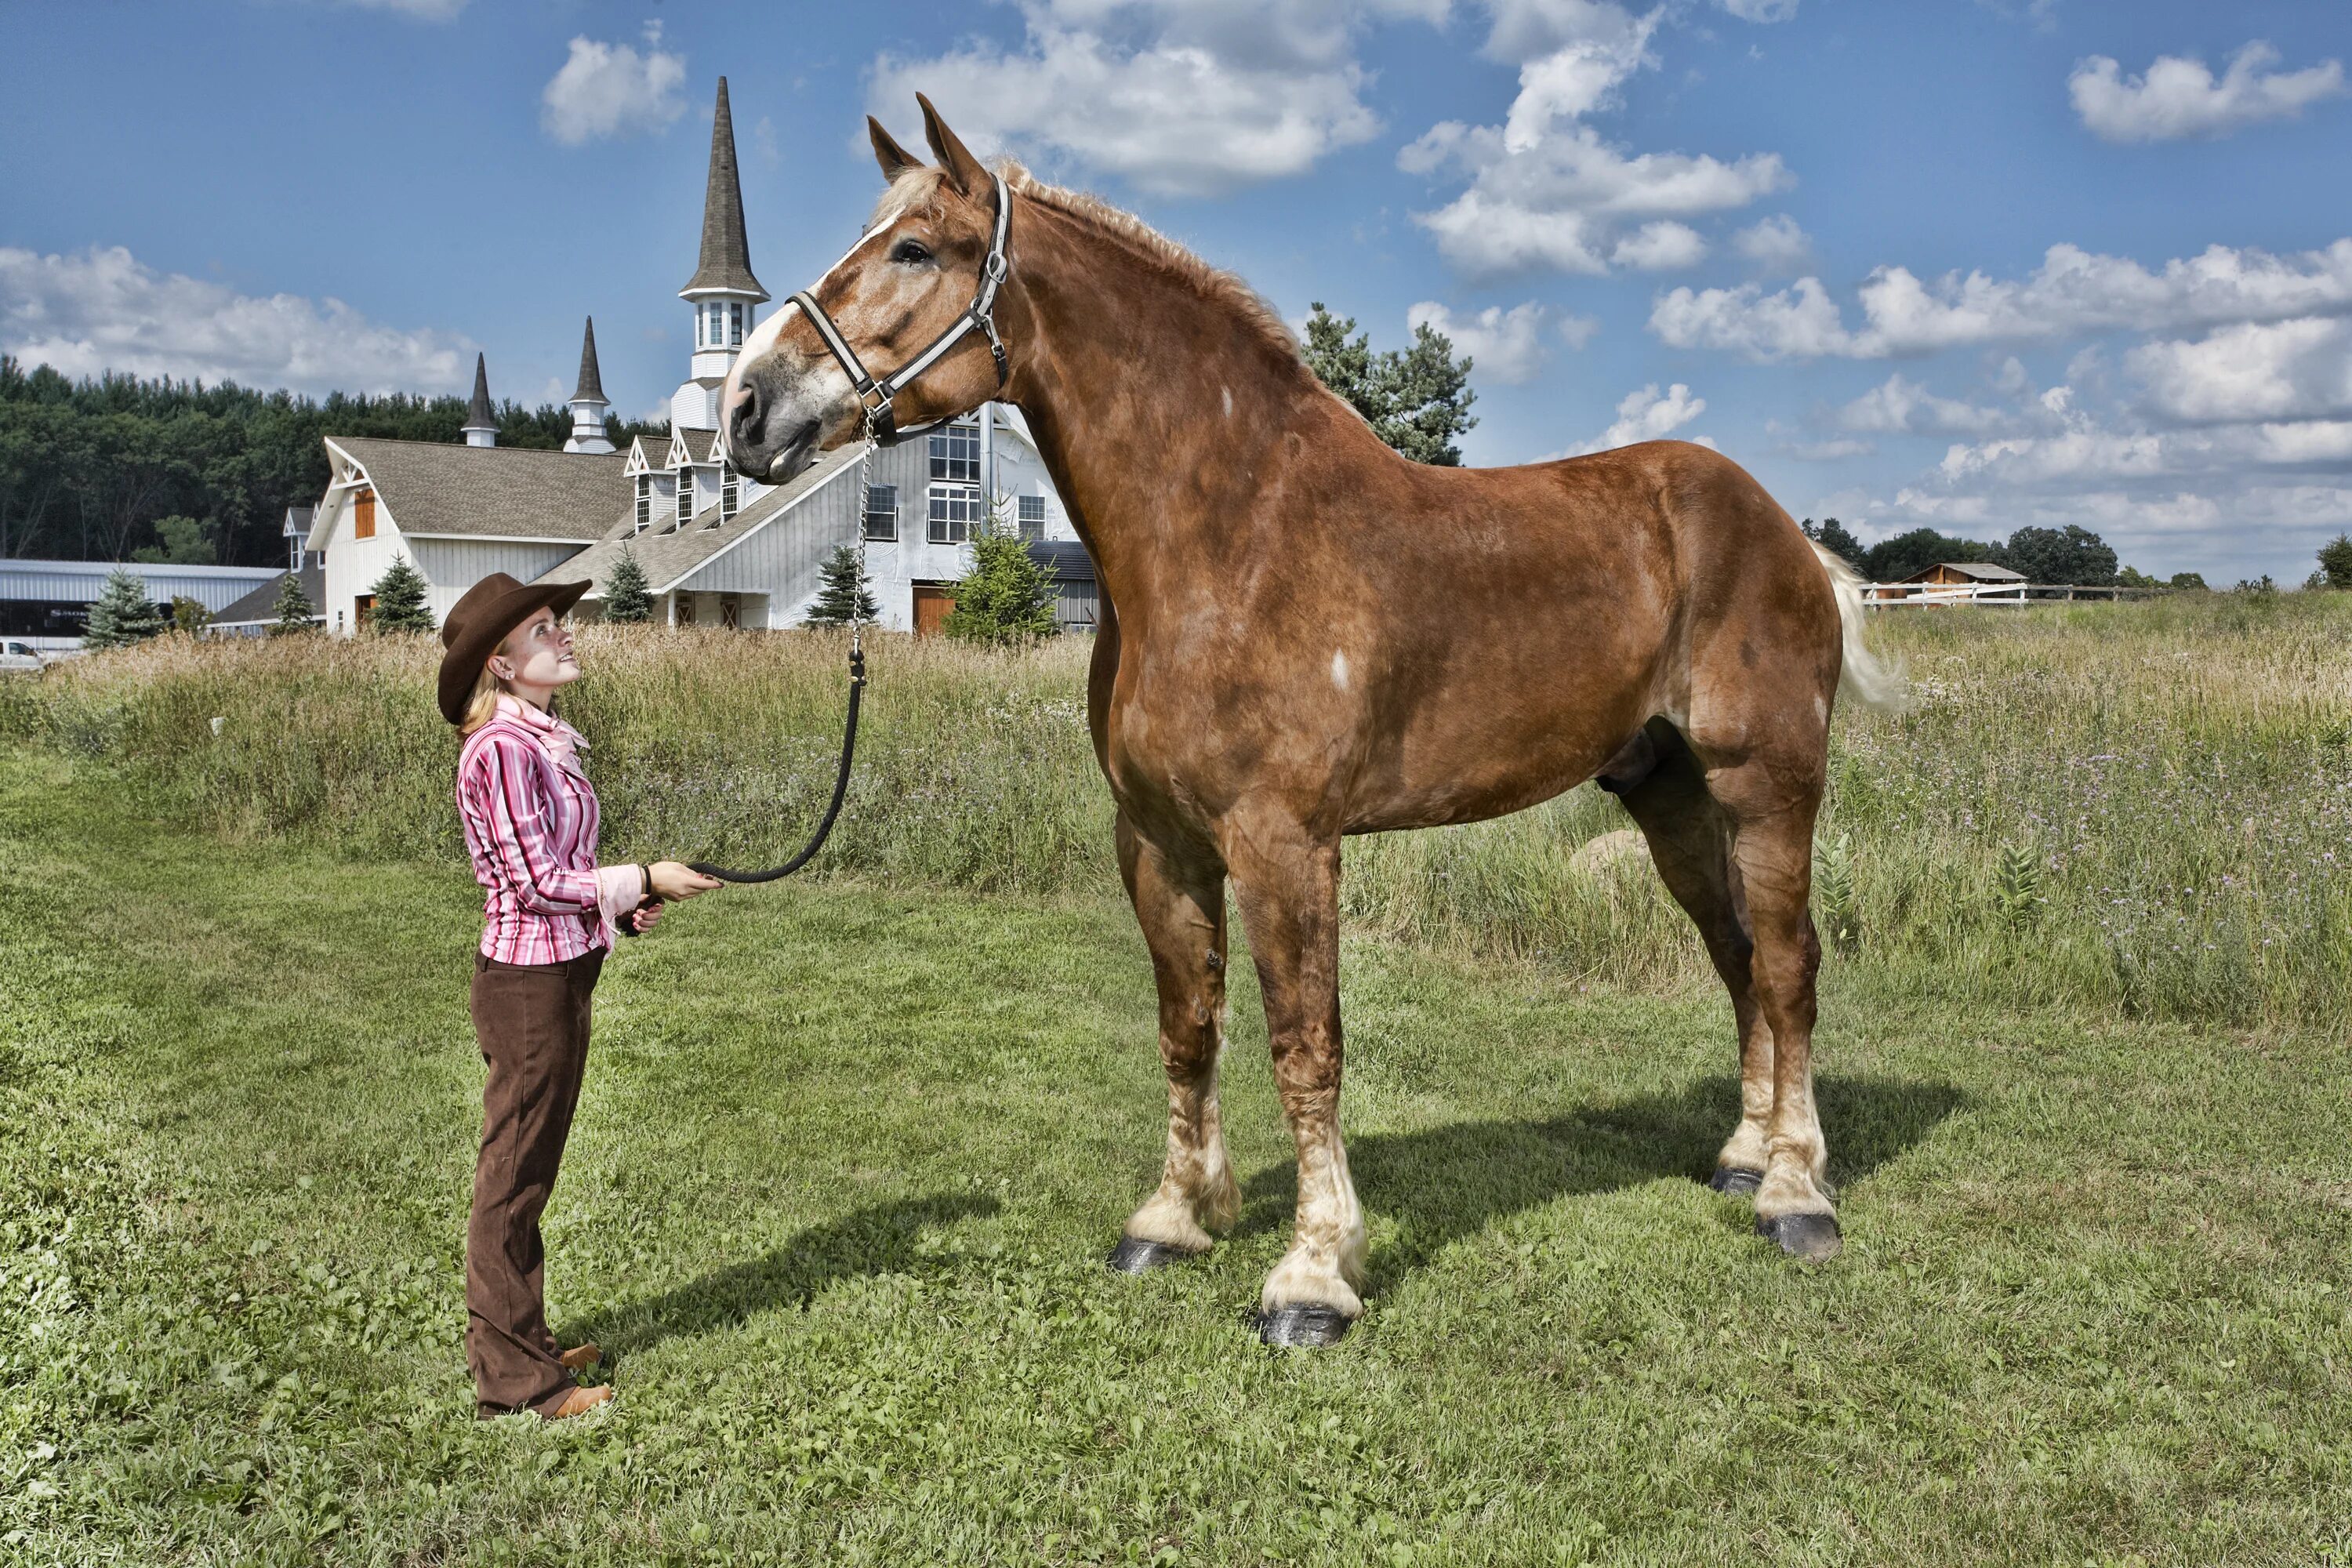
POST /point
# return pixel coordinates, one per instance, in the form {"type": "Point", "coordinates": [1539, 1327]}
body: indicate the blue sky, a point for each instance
{"type": "Point", "coordinates": [1972, 263]}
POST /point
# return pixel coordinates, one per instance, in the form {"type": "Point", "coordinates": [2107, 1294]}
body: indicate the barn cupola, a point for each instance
{"type": "Point", "coordinates": [480, 429]}
{"type": "Point", "coordinates": [588, 404]}
{"type": "Point", "coordinates": [722, 291]}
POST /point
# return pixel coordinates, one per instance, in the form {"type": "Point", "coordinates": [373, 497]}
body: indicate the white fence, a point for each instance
{"type": "Point", "coordinates": [1897, 595]}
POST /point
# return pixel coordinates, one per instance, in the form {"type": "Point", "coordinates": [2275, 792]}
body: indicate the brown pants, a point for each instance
{"type": "Point", "coordinates": [533, 1022]}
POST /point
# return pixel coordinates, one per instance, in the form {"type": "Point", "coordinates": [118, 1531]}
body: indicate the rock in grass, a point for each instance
{"type": "Point", "coordinates": [1599, 856]}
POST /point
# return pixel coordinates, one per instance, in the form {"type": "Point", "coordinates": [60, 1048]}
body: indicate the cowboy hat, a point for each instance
{"type": "Point", "coordinates": [477, 623]}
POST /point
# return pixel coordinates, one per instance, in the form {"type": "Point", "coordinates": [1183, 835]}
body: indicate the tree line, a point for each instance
{"type": "Point", "coordinates": [120, 467]}
{"type": "Point", "coordinates": [2070, 555]}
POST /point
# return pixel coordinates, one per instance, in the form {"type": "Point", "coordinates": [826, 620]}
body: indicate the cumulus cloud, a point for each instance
{"type": "Point", "coordinates": [1578, 331]}
{"type": "Point", "coordinates": [1645, 414]}
{"type": "Point", "coordinates": [1662, 246]}
{"type": "Point", "coordinates": [1831, 451]}
{"type": "Point", "coordinates": [1544, 189]}
{"type": "Point", "coordinates": [1901, 406]}
{"type": "Point", "coordinates": [1180, 97]}
{"type": "Point", "coordinates": [2072, 291]}
{"type": "Point", "coordinates": [2178, 97]}
{"type": "Point", "coordinates": [103, 309]}
{"type": "Point", "coordinates": [2298, 369]}
{"type": "Point", "coordinates": [1776, 245]}
{"type": "Point", "coordinates": [610, 90]}
{"type": "Point", "coordinates": [1505, 344]}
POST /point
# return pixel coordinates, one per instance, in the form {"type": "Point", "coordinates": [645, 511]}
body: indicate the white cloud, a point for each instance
{"type": "Point", "coordinates": [2178, 97]}
{"type": "Point", "coordinates": [1578, 331]}
{"type": "Point", "coordinates": [1505, 344]}
{"type": "Point", "coordinates": [1661, 245]}
{"type": "Point", "coordinates": [1646, 413]}
{"type": "Point", "coordinates": [1544, 189]}
{"type": "Point", "coordinates": [423, 10]}
{"type": "Point", "coordinates": [1776, 245]}
{"type": "Point", "coordinates": [2299, 369]}
{"type": "Point", "coordinates": [1761, 10]}
{"type": "Point", "coordinates": [610, 90]}
{"type": "Point", "coordinates": [103, 309]}
{"type": "Point", "coordinates": [1899, 407]}
{"type": "Point", "coordinates": [1180, 97]}
{"type": "Point", "coordinates": [2072, 291]}
{"type": "Point", "coordinates": [1831, 451]}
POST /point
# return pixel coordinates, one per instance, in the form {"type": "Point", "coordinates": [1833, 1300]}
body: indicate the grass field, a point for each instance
{"type": "Point", "coordinates": [851, 1152]}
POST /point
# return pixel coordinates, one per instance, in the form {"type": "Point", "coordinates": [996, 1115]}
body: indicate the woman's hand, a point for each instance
{"type": "Point", "coordinates": [648, 915]}
{"type": "Point", "coordinates": [675, 881]}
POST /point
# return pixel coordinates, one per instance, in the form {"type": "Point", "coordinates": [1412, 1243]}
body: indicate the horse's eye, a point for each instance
{"type": "Point", "coordinates": [912, 252]}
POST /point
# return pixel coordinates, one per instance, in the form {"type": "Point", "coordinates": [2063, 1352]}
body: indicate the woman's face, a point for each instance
{"type": "Point", "coordinates": [536, 654]}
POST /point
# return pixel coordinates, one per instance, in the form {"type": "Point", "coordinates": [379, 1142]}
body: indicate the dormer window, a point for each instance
{"type": "Point", "coordinates": [735, 326]}
{"type": "Point", "coordinates": [645, 503]}
{"type": "Point", "coordinates": [731, 495]}
{"type": "Point", "coordinates": [685, 495]}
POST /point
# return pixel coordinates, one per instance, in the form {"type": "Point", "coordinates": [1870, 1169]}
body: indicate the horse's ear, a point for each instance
{"type": "Point", "coordinates": [895, 160]}
{"type": "Point", "coordinates": [963, 171]}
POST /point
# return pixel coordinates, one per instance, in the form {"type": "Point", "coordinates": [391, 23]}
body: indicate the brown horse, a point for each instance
{"type": "Point", "coordinates": [1305, 636]}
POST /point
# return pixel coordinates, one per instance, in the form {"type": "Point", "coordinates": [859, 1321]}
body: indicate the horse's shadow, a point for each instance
{"type": "Point", "coordinates": [882, 1239]}
{"type": "Point", "coordinates": [1448, 1182]}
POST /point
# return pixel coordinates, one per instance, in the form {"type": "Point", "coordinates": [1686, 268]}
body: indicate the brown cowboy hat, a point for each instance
{"type": "Point", "coordinates": [477, 623]}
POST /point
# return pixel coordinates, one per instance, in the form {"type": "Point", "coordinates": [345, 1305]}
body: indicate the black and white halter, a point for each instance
{"type": "Point", "coordinates": [877, 395]}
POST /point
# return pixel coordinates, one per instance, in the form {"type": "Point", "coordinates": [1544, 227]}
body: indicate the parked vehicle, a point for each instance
{"type": "Point", "coordinates": [16, 654]}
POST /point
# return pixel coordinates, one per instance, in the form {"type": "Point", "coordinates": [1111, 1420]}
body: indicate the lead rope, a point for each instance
{"type": "Point", "coordinates": [857, 690]}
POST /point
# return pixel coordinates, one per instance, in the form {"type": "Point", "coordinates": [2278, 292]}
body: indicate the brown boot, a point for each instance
{"type": "Point", "coordinates": [580, 1401]}
{"type": "Point", "coordinates": [580, 1358]}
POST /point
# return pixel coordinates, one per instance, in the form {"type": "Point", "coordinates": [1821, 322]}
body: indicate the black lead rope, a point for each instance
{"type": "Point", "coordinates": [833, 810]}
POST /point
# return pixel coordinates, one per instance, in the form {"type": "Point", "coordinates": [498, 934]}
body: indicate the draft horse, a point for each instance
{"type": "Point", "coordinates": [1304, 636]}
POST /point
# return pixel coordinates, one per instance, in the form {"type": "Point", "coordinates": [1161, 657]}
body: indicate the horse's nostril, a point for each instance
{"type": "Point", "coordinates": [744, 419]}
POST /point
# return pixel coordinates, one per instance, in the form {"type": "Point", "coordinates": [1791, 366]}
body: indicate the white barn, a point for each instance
{"type": "Point", "coordinates": [718, 548]}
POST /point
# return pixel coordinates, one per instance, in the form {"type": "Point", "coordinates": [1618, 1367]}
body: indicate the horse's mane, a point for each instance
{"type": "Point", "coordinates": [1172, 260]}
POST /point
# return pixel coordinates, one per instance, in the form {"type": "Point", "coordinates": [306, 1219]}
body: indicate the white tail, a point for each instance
{"type": "Point", "coordinates": [1860, 675]}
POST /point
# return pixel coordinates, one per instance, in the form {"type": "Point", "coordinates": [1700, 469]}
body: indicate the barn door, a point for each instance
{"type": "Point", "coordinates": [932, 604]}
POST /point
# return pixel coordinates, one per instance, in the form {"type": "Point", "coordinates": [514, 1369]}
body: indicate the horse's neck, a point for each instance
{"type": "Point", "coordinates": [1159, 411]}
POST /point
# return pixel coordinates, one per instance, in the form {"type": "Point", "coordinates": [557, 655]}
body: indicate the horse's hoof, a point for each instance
{"type": "Point", "coordinates": [1736, 1180]}
{"type": "Point", "coordinates": [1132, 1256]}
{"type": "Point", "coordinates": [1302, 1327]}
{"type": "Point", "coordinates": [1813, 1237]}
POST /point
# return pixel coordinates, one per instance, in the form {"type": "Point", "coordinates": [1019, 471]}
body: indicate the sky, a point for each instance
{"type": "Point", "coordinates": [1971, 263]}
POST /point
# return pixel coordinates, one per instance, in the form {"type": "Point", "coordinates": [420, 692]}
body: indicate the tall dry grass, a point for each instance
{"type": "Point", "coordinates": [2146, 807]}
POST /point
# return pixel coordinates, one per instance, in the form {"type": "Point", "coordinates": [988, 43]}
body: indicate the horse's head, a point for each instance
{"type": "Point", "coordinates": [907, 281]}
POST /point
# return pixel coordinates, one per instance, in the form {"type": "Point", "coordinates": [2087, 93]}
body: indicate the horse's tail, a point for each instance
{"type": "Point", "coordinates": [1862, 677]}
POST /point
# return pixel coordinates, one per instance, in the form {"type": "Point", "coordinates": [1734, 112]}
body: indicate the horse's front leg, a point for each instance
{"type": "Point", "coordinates": [1180, 901]}
{"type": "Point", "coordinates": [1286, 881]}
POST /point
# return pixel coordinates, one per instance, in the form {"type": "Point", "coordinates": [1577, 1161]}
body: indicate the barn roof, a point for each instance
{"type": "Point", "coordinates": [670, 553]}
{"type": "Point", "coordinates": [1978, 570]}
{"type": "Point", "coordinates": [489, 492]}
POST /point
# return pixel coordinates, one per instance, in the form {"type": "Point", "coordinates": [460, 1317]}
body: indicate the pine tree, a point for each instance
{"type": "Point", "coordinates": [628, 598]}
{"type": "Point", "coordinates": [189, 615]}
{"type": "Point", "coordinates": [1006, 597]}
{"type": "Point", "coordinates": [294, 610]}
{"type": "Point", "coordinates": [121, 614]}
{"type": "Point", "coordinates": [846, 597]}
{"type": "Point", "coordinates": [400, 600]}
{"type": "Point", "coordinates": [1417, 400]}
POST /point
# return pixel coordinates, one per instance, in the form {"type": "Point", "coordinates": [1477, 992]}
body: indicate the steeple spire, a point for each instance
{"type": "Point", "coordinates": [591, 384]}
{"type": "Point", "coordinates": [726, 263]}
{"type": "Point", "coordinates": [589, 405]}
{"type": "Point", "coordinates": [480, 429]}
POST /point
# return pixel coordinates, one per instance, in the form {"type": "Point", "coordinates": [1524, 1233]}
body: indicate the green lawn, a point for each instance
{"type": "Point", "coordinates": [848, 1163]}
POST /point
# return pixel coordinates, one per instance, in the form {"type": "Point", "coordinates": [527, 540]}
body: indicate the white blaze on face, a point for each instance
{"type": "Point", "coordinates": [831, 382]}
{"type": "Point", "coordinates": [1340, 670]}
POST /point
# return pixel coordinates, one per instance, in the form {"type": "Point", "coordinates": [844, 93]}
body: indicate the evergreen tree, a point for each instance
{"type": "Point", "coordinates": [1834, 537]}
{"type": "Point", "coordinates": [846, 595]}
{"type": "Point", "coordinates": [189, 617]}
{"type": "Point", "coordinates": [1416, 401]}
{"type": "Point", "coordinates": [628, 598]}
{"type": "Point", "coordinates": [293, 608]}
{"type": "Point", "coordinates": [1007, 597]}
{"type": "Point", "coordinates": [400, 600]}
{"type": "Point", "coordinates": [121, 614]}
{"type": "Point", "coordinates": [2335, 560]}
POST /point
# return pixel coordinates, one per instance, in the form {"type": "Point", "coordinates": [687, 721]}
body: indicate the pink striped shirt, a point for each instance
{"type": "Point", "coordinates": [531, 826]}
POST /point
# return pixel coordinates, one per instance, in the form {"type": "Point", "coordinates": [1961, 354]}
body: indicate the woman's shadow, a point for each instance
{"type": "Point", "coordinates": [1449, 1182]}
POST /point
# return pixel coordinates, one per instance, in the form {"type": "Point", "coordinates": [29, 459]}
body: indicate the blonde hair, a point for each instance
{"type": "Point", "coordinates": [482, 706]}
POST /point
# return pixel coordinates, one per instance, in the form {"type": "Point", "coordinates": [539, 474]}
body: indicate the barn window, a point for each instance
{"type": "Point", "coordinates": [955, 512]}
{"type": "Point", "coordinates": [363, 513]}
{"type": "Point", "coordinates": [685, 495]}
{"type": "Point", "coordinates": [955, 453]}
{"type": "Point", "coordinates": [645, 503]}
{"type": "Point", "coordinates": [735, 326]}
{"type": "Point", "coordinates": [731, 495]}
{"type": "Point", "coordinates": [1033, 517]}
{"type": "Point", "coordinates": [881, 511]}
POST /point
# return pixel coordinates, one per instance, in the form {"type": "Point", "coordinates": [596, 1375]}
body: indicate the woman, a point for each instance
{"type": "Point", "coordinates": [530, 825]}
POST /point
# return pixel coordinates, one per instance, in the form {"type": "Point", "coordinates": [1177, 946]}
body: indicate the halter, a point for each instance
{"type": "Point", "coordinates": [876, 397]}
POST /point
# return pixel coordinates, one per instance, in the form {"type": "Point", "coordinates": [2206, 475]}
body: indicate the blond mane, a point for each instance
{"type": "Point", "coordinates": [1171, 259]}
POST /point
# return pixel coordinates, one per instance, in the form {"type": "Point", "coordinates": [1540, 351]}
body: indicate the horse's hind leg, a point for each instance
{"type": "Point", "coordinates": [1690, 838]}
{"type": "Point", "coordinates": [1180, 901]}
